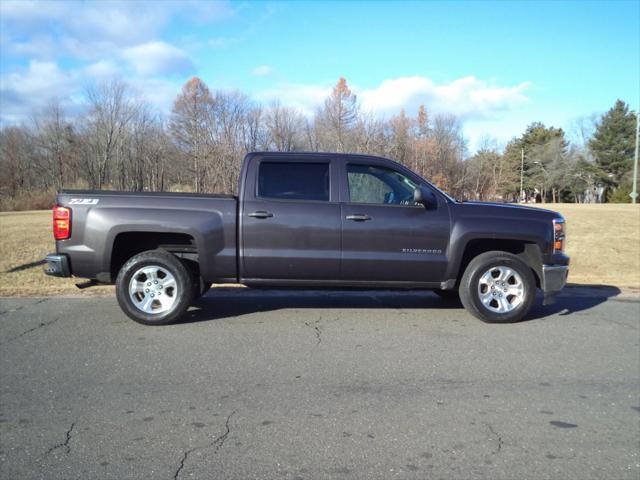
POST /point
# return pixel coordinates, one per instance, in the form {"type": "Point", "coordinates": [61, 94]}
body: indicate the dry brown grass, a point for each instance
{"type": "Point", "coordinates": [27, 238]}
{"type": "Point", "coordinates": [602, 240]}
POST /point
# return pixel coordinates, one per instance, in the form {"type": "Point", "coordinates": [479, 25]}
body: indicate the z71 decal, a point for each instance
{"type": "Point", "coordinates": [84, 201]}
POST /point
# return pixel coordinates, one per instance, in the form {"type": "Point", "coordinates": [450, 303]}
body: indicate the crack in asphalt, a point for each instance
{"type": "Point", "coordinates": [317, 330]}
{"type": "Point", "coordinates": [42, 324]}
{"type": "Point", "coordinates": [622, 324]}
{"type": "Point", "coordinates": [498, 437]}
{"type": "Point", "coordinates": [64, 444]}
{"type": "Point", "coordinates": [42, 300]}
{"type": "Point", "coordinates": [218, 443]}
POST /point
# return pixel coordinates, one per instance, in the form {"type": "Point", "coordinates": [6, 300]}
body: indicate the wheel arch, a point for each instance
{"type": "Point", "coordinates": [527, 251]}
{"type": "Point", "coordinates": [124, 228]}
{"type": "Point", "coordinates": [130, 243]}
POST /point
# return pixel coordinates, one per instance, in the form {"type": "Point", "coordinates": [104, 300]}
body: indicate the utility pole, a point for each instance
{"type": "Point", "coordinates": [634, 193]}
{"type": "Point", "coordinates": [522, 167]}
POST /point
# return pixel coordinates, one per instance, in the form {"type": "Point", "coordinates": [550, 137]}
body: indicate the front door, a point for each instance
{"type": "Point", "coordinates": [386, 237]}
{"type": "Point", "coordinates": [291, 220]}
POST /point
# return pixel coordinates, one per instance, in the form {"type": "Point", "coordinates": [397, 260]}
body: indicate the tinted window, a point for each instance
{"type": "Point", "coordinates": [294, 181]}
{"type": "Point", "coordinates": [369, 184]}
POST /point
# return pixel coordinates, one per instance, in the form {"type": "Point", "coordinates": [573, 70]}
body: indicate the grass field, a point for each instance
{"type": "Point", "coordinates": [602, 240]}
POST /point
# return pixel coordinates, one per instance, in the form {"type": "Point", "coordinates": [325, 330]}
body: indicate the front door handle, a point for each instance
{"type": "Point", "coordinates": [261, 214]}
{"type": "Point", "coordinates": [358, 217]}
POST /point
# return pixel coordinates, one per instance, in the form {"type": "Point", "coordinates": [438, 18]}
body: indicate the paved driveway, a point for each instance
{"type": "Point", "coordinates": [344, 385]}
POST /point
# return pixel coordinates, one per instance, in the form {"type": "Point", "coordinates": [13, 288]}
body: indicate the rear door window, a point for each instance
{"type": "Point", "coordinates": [294, 181]}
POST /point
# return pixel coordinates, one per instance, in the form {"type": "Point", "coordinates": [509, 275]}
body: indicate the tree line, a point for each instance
{"type": "Point", "coordinates": [119, 142]}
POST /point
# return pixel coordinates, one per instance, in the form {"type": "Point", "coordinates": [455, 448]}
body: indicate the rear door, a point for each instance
{"type": "Point", "coordinates": [291, 219]}
{"type": "Point", "coordinates": [386, 237]}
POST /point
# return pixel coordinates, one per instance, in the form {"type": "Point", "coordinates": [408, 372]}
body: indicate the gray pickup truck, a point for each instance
{"type": "Point", "coordinates": [315, 220]}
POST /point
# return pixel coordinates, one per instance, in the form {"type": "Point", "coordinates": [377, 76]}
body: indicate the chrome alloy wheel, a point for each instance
{"type": "Point", "coordinates": [501, 289]}
{"type": "Point", "coordinates": [153, 289]}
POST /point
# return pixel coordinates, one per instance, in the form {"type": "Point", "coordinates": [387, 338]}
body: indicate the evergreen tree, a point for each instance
{"type": "Point", "coordinates": [534, 141]}
{"type": "Point", "coordinates": [613, 143]}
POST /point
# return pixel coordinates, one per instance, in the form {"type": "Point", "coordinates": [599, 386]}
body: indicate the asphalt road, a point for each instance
{"type": "Point", "coordinates": [344, 385]}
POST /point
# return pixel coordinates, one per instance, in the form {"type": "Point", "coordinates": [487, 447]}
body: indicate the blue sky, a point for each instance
{"type": "Point", "coordinates": [496, 65]}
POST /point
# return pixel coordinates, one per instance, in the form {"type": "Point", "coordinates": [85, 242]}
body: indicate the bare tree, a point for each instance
{"type": "Point", "coordinates": [190, 125]}
{"type": "Point", "coordinates": [449, 150]}
{"type": "Point", "coordinates": [337, 119]}
{"type": "Point", "coordinates": [401, 137]}
{"type": "Point", "coordinates": [15, 151]}
{"type": "Point", "coordinates": [370, 135]}
{"type": "Point", "coordinates": [229, 116]}
{"type": "Point", "coordinates": [284, 128]}
{"type": "Point", "coordinates": [255, 136]}
{"type": "Point", "coordinates": [111, 109]}
{"type": "Point", "coordinates": [53, 136]}
{"type": "Point", "coordinates": [121, 142]}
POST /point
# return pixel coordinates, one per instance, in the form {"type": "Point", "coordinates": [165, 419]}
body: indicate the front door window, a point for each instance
{"type": "Point", "coordinates": [379, 185]}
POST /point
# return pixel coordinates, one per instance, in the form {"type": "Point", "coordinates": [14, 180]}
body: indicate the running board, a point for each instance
{"type": "Point", "coordinates": [87, 284]}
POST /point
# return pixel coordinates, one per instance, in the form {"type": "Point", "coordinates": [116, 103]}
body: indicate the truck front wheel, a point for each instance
{"type": "Point", "coordinates": [498, 287]}
{"type": "Point", "coordinates": [154, 288]}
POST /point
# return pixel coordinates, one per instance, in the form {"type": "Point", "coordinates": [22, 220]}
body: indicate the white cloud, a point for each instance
{"type": "Point", "coordinates": [102, 69]}
{"type": "Point", "coordinates": [36, 46]}
{"type": "Point", "coordinates": [94, 30]}
{"type": "Point", "coordinates": [27, 90]}
{"type": "Point", "coordinates": [305, 98]}
{"type": "Point", "coordinates": [26, 11]}
{"type": "Point", "coordinates": [483, 106]}
{"type": "Point", "coordinates": [262, 71]}
{"type": "Point", "coordinates": [466, 97]}
{"type": "Point", "coordinates": [158, 58]}
{"type": "Point", "coordinates": [69, 45]}
{"type": "Point", "coordinates": [159, 93]}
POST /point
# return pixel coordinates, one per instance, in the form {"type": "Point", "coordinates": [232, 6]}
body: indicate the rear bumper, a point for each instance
{"type": "Point", "coordinates": [554, 278]}
{"type": "Point", "coordinates": [57, 265]}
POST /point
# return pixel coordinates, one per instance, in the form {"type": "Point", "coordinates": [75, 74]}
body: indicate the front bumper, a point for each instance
{"type": "Point", "coordinates": [57, 265]}
{"type": "Point", "coordinates": [554, 278]}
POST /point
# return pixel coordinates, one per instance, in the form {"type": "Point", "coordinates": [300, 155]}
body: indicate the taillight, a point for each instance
{"type": "Point", "coordinates": [558, 234]}
{"type": "Point", "coordinates": [61, 223]}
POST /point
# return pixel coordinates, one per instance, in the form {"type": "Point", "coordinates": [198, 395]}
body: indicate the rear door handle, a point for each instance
{"type": "Point", "coordinates": [358, 217]}
{"type": "Point", "coordinates": [261, 214]}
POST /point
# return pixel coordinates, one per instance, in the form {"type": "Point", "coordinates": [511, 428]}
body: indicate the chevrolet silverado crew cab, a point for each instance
{"type": "Point", "coordinates": [314, 220]}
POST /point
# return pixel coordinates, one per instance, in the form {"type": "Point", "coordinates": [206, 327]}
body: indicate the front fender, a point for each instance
{"type": "Point", "coordinates": [534, 232]}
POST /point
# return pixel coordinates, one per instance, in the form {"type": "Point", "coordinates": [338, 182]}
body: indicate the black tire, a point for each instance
{"type": "Point", "coordinates": [473, 285]}
{"type": "Point", "coordinates": [448, 295]}
{"type": "Point", "coordinates": [166, 262]}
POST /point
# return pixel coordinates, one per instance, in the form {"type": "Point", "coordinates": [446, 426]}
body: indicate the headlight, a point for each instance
{"type": "Point", "coordinates": [558, 235]}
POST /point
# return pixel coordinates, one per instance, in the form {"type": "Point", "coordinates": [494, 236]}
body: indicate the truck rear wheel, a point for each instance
{"type": "Point", "coordinates": [498, 287]}
{"type": "Point", "coordinates": [154, 288]}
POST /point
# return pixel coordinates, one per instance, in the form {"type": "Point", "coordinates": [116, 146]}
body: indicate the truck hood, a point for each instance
{"type": "Point", "coordinates": [506, 209]}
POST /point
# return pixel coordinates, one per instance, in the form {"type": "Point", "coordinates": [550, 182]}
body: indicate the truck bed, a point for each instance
{"type": "Point", "coordinates": [106, 225]}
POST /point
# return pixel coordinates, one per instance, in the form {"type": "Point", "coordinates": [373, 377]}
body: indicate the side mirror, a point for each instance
{"type": "Point", "coordinates": [425, 196]}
